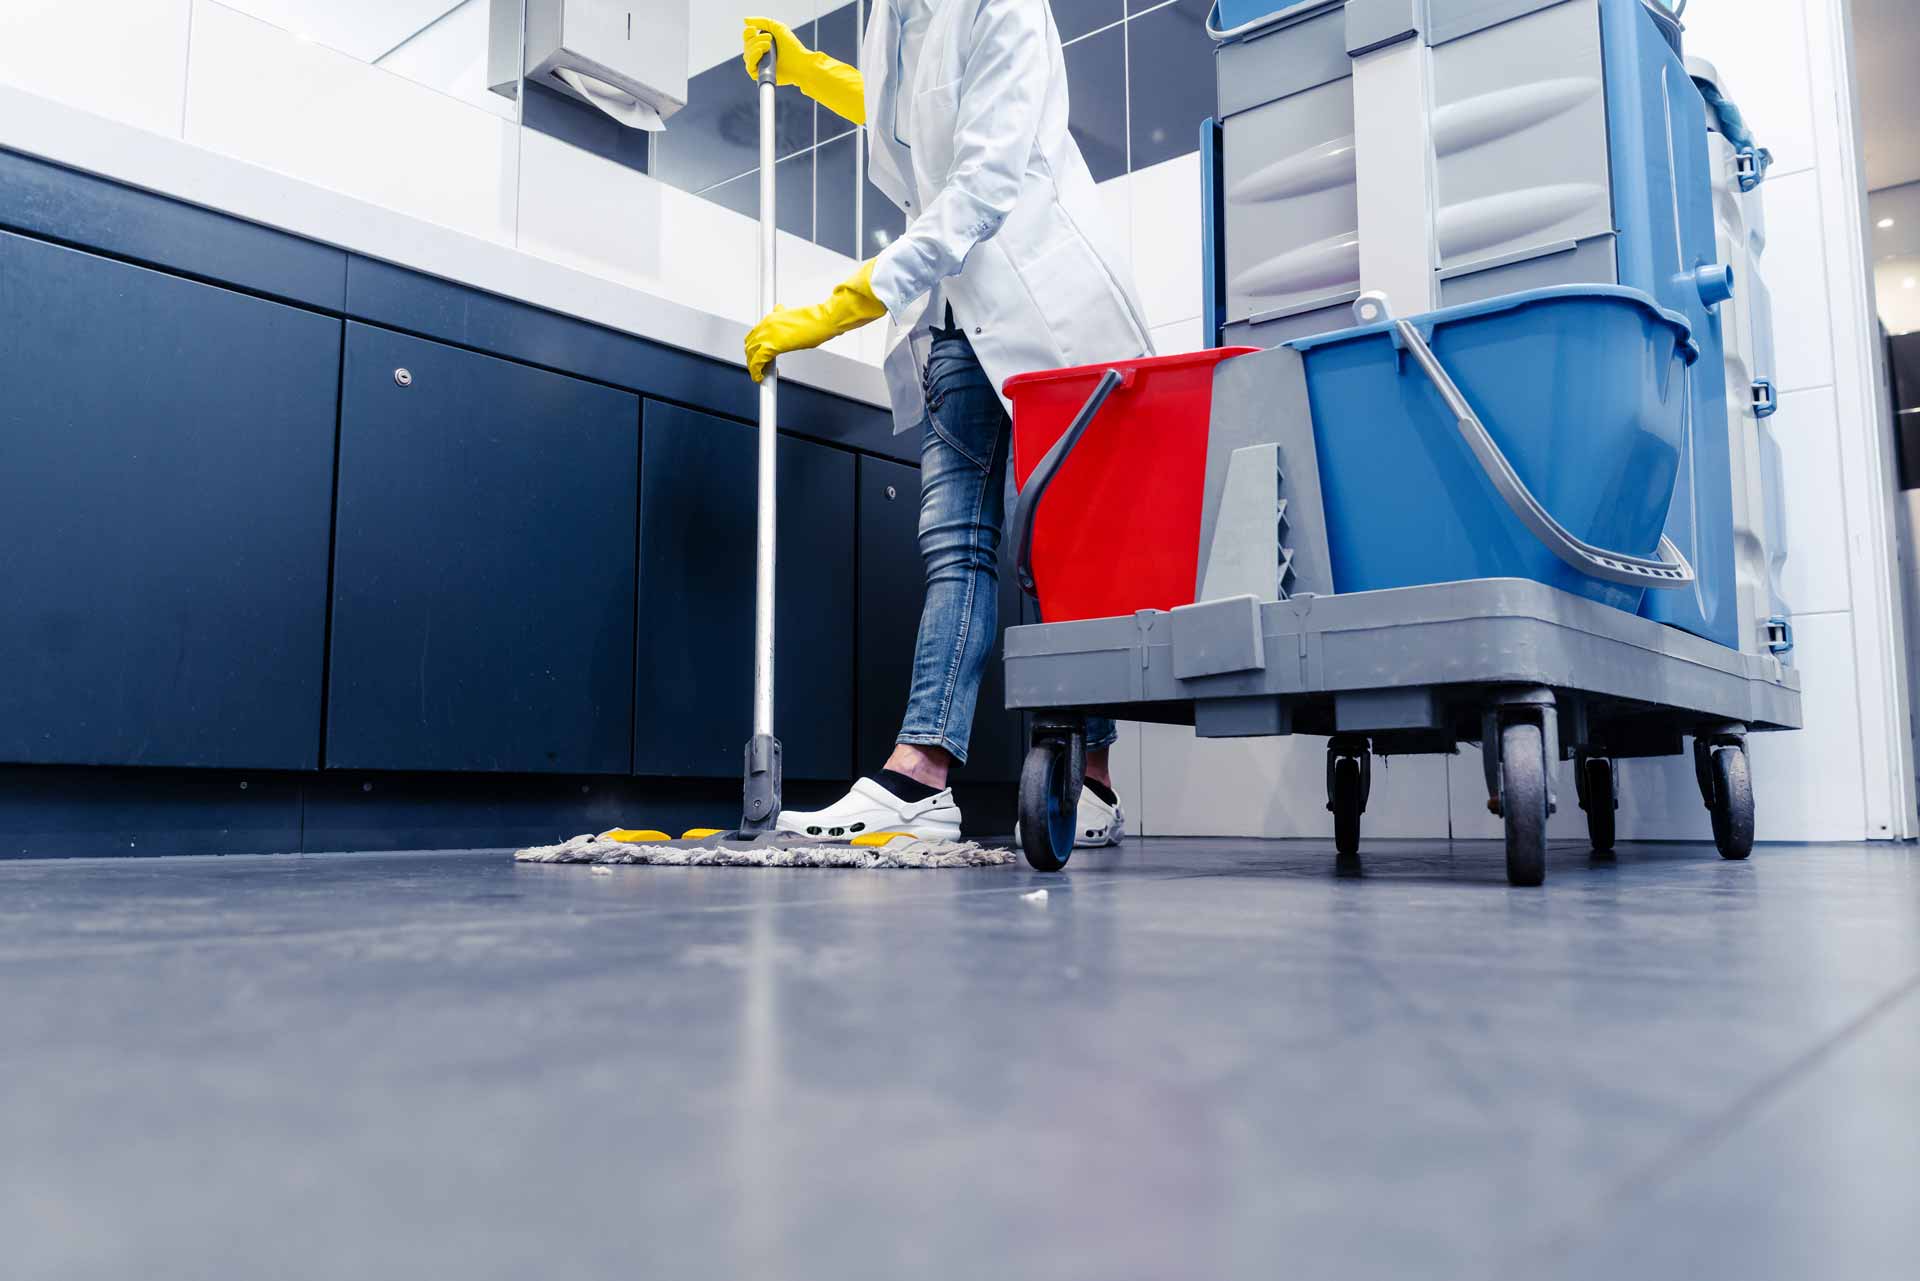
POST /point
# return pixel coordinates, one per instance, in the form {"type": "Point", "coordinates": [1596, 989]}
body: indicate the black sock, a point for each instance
{"type": "Point", "coordinates": [907, 789]}
{"type": "Point", "coordinates": [1104, 792]}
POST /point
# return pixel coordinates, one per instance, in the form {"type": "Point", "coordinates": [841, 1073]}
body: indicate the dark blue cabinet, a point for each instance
{"type": "Point", "coordinates": [693, 694]}
{"type": "Point", "coordinates": [892, 588]}
{"type": "Point", "coordinates": [166, 453]}
{"type": "Point", "coordinates": [483, 607]}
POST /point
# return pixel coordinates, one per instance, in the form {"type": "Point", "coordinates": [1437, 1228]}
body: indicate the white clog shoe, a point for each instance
{"type": "Point", "coordinates": [1096, 823]}
{"type": "Point", "coordinates": [869, 807]}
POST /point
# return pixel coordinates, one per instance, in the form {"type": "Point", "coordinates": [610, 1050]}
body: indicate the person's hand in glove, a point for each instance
{"type": "Point", "coordinates": [851, 305]}
{"type": "Point", "coordinates": [826, 80]}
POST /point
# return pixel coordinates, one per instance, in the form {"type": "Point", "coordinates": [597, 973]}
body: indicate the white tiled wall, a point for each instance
{"type": "Point", "coordinates": [1796, 269]}
{"type": "Point", "coordinates": [126, 59]}
{"type": "Point", "coordinates": [1815, 579]}
{"type": "Point", "coordinates": [1166, 238]}
{"type": "Point", "coordinates": [257, 93]}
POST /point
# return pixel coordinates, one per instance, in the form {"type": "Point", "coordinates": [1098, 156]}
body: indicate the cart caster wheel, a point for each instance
{"type": "Point", "coordinates": [1050, 786]}
{"type": "Point", "coordinates": [1600, 798]}
{"type": "Point", "coordinates": [1348, 803]}
{"type": "Point", "coordinates": [1349, 782]}
{"type": "Point", "coordinates": [1732, 802]}
{"type": "Point", "coordinates": [1523, 802]}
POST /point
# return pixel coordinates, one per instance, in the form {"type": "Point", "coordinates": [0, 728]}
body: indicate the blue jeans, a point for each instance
{"type": "Point", "coordinates": [963, 507]}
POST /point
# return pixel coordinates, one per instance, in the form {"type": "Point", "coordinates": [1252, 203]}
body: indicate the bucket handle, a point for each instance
{"type": "Point", "coordinates": [1668, 572]}
{"type": "Point", "coordinates": [1245, 30]}
{"type": "Point", "coordinates": [1028, 504]}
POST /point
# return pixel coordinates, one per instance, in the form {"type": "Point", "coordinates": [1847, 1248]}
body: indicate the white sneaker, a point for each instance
{"type": "Point", "coordinates": [869, 807]}
{"type": "Point", "coordinates": [1096, 823]}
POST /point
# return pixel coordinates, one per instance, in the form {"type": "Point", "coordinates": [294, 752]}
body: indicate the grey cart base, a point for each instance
{"type": "Point", "coordinates": [1529, 672]}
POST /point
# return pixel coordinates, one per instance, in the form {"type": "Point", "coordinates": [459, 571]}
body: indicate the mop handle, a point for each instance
{"type": "Point", "coordinates": [760, 811]}
{"type": "Point", "coordinates": [769, 402]}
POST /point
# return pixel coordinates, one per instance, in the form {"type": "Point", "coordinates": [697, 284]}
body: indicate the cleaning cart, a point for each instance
{"type": "Point", "coordinates": [1504, 518]}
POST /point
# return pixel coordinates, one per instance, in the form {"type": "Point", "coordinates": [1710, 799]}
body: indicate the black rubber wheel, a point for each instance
{"type": "Point", "coordinates": [1347, 805]}
{"type": "Point", "coordinates": [1597, 793]}
{"type": "Point", "coordinates": [1523, 802]}
{"type": "Point", "coordinates": [1049, 805]}
{"type": "Point", "coordinates": [1732, 803]}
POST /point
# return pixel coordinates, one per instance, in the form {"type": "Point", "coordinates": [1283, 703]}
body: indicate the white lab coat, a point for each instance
{"type": "Point", "coordinates": [1005, 223]}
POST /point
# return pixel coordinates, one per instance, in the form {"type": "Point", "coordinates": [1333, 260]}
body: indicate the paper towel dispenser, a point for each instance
{"type": "Point", "coordinates": [626, 57]}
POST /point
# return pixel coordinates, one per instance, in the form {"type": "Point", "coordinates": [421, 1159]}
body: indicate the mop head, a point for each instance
{"type": "Point", "coordinates": [781, 849]}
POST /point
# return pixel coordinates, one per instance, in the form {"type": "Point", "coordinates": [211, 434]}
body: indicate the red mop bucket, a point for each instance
{"type": "Point", "coordinates": [1111, 461]}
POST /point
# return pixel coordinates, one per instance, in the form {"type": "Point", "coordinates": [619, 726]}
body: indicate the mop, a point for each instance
{"type": "Point", "coordinates": [755, 843]}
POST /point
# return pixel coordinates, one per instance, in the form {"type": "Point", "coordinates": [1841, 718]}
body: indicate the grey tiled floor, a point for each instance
{"type": "Point", "coordinates": [1196, 1059]}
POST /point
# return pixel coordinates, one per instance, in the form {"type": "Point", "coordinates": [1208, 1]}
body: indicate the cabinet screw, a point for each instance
{"type": "Point", "coordinates": [891, 495]}
{"type": "Point", "coordinates": [404, 377]}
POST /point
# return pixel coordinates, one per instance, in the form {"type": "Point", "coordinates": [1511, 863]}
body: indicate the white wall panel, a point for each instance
{"type": "Point", "coordinates": [124, 59]}
{"type": "Point", "coordinates": [1166, 239]}
{"type": "Point", "coordinates": [1807, 429]}
{"type": "Point", "coordinates": [1760, 46]}
{"type": "Point", "coordinates": [262, 95]}
{"type": "Point", "coordinates": [1796, 271]}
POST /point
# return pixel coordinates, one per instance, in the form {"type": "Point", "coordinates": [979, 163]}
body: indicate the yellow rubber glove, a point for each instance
{"type": "Point", "coordinates": [851, 305]}
{"type": "Point", "coordinates": [826, 80]}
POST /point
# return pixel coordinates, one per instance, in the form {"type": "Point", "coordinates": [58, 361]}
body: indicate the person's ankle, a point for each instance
{"type": "Point", "coordinates": [929, 765]}
{"type": "Point", "coordinates": [906, 788]}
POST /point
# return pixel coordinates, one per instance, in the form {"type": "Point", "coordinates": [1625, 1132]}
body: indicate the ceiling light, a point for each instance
{"type": "Point", "coordinates": [1884, 223]}
{"type": "Point", "coordinates": [1909, 283]}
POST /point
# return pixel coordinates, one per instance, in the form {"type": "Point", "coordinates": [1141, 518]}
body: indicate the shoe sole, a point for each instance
{"type": "Point", "coordinates": [924, 832]}
{"type": "Point", "coordinates": [1082, 843]}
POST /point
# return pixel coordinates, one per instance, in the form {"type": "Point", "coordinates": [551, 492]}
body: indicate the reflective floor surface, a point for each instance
{"type": "Point", "coordinates": [1192, 1059]}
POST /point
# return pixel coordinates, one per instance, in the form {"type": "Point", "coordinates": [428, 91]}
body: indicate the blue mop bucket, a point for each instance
{"type": "Point", "coordinates": [1536, 435]}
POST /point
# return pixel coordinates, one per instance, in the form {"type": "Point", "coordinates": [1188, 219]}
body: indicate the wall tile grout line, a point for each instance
{"type": "Point", "coordinates": [186, 72]}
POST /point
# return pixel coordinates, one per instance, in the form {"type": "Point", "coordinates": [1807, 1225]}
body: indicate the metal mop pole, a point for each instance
{"type": "Point", "coordinates": [763, 750]}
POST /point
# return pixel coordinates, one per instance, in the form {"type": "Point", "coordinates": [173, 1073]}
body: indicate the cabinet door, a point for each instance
{"type": "Point", "coordinates": [693, 708]}
{"type": "Point", "coordinates": [483, 564]}
{"type": "Point", "coordinates": [892, 589]}
{"type": "Point", "coordinates": [166, 475]}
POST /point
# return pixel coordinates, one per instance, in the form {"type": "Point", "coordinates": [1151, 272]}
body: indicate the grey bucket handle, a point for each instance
{"type": "Point", "coordinates": [1261, 23]}
{"type": "Point", "coordinates": [1669, 572]}
{"type": "Point", "coordinates": [1028, 503]}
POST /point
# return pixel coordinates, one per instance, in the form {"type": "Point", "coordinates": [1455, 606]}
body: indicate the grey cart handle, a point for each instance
{"type": "Point", "coordinates": [1035, 489]}
{"type": "Point", "coordinates": [1670, 571]}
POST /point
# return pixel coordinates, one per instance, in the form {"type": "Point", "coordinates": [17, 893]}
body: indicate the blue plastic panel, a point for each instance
{"type": "Point", "coordinates": [166, 476]}
{"type": "Point", "coordinates": [1663, 208]}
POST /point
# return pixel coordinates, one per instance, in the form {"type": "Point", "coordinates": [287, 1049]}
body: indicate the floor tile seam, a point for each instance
{"type": "Point", "coordinates": [1714, 1131]}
